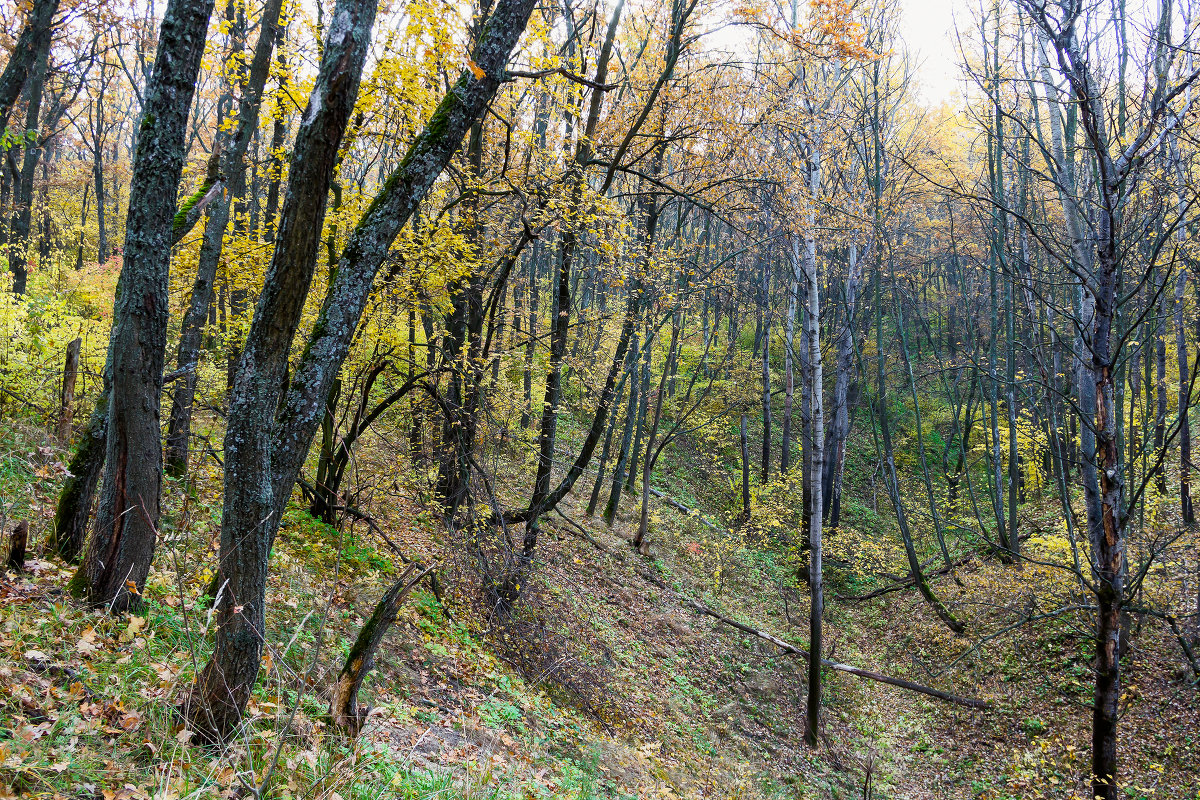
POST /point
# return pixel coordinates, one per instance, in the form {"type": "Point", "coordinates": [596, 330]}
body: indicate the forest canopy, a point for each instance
{"type": "Point", "coordinates": [598, 398]}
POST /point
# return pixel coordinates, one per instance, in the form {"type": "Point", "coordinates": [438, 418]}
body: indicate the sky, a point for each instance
{"type": "Point", "coordinates": [928, 27]}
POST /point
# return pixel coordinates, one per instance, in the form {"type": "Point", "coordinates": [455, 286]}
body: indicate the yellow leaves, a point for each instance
{"type": "Point", "coordinates": [476, 70]}
{"type": "Point", "coordinates": [135, 626]}
{"type": "Point", "coordinates": [87, 642]}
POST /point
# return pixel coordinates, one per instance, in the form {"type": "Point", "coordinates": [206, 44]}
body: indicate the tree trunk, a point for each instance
{"type": "Point", "coordinates": [230, 147]}
{"type": "Point", "coordinates": [839, 431]}
{"type": "Point", "coordinates": [118, 558]}
{"type": "Point", "coordinates": [816, 452]}
{"type": "Point", "coordinates": [343, 705]}
{"type": "Point", "coordinates": [22, 216]}
{"type": "Point", "coordinates": [789, 328]}
{"type": "Point", "coordinates": [614, 495]}
{"type": "Point", "coordinates": [34, 38]}
{"type": "Point", "coordinates": [643, 407]}
{"type": "Point", "coordinates": [257, 435]}
{"type": "Point", "coordinates": [75, 498]}
{"type": "Point", "coordinates": [1185, 428]}
{"type": "Point", "coordinates": [745, 442]}
{"type": "Point", "coordinates": [608, 436]}
{"type": "Point", "coordinates": [766, 376]}
{"type": "Point", "coordinates": [66, 404]}
{"type": "Point", "coordinates": [18, 540]}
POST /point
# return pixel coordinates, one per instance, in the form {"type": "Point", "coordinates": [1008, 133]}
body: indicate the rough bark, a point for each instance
{"type": "Point", "coordinates": [265, 449]}
{"type": "Point", "coordinates": [18, 540]}
{"type": "Point", "coordinates": [19, 244]}
{"type": "Point", "coordinates": [66, 403]}
{"type": "Point", "coordinates": [78, 490]}
{"type": "Point", "coordinates": [118, 558]}
{"type": "Point", "coordinates": [35, 36]}
{"type": "Point", "coordinates": [1185, 428]}
{"type": "Point", "coordinates": [231, 148]}
{"type": "Point", "coordinates": [251, 509]}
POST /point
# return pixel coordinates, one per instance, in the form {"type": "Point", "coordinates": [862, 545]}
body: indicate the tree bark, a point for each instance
{"type": "Point", "coordinates": [343, 705]}
{"type": "Point", "coordinates": [118, 558]}
{"type": "Point", "coordinates": [35, 37]}
{"type": "Point", "coordinates": [265, 448]}
{"type": "Point", "coordinates": [1185, 427]}
{"type": "Point", "coordinates": [231, 149]}
{"type": "Point", "coordinates": [22, 216]}
{"type": "Point", "coordinates": [816, 452]}
{"type": "Point", "coordinates": [66, 403]}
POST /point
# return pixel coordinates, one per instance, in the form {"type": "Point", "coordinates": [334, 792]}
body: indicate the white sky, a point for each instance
{"type": "Point", "coordinates": [928, 27]}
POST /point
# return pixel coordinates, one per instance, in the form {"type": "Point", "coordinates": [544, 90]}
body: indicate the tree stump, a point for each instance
{"type": "Point", "coordinates": [66, 413]}
{"type": "Point", "coordinates": [17, 542]}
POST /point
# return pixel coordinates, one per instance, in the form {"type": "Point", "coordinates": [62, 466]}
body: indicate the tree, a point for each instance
{"type": "Point", "coordinates": [118, 555]}
{"type": "Point", "coordinates": [266, 439]}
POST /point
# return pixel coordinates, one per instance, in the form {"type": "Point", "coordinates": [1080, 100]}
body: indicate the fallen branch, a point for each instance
{"type": "Point", "coordinates": [791, 649]}
{"type": "Point", "coordinates": [907, 583]}
{"type": "Point", "coordinates": [582, 533]}
{"type": "Point", "coordinates": [678, 506]}
{"type": "Point", "coordinates": [1173, 622]}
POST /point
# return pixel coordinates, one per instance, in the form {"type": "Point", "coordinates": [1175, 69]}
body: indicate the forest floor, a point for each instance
{"type": "Point", "coordinates": [610, 686]}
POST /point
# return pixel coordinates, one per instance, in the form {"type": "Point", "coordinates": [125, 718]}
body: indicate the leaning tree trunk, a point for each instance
{"type": "Point", "coordinates": [250, 506]}
{"type": "Point", "coordinates": [343, 704]}
{"type": "Point", "coordinates": [118, 559]}
{"type": "Point", "coordinates": [34, 38]}
{"type": "Point", "coordinates": [231, 149]}
{"type": "Point", "coordinates": [257, 435]}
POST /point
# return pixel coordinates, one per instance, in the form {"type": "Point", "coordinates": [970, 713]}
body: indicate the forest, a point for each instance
{"type": "Point", "coordinates": [528, 399]}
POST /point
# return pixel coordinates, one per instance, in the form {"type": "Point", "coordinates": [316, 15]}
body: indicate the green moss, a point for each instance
{"type": "Point", "coordinates": [186, 207]}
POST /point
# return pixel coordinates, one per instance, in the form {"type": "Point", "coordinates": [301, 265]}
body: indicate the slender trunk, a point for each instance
{"type": "Point", "coordinates": [789, 380]}
{"type": "Point", "coordinates": [651, 458]}
{"type": "Point", "coordinates": [608, 436]}
{"type": "Point", "coordinates": [745, 442]}
{"type": "Point", "coordinates": [643, 406]}
{"type": "Point", "coordinates": [1160, 373]}
{"type": "Point", "coordinates": [1185, 431]}
{"type": "Point", "coordinates": [531, 334]}
{"type": "Point", "coordinates": [766, 378]}
{"type": "Point", "coordinates": [561, 318]}
{"type": "Point", "coordinates": [102, 251]}
{"type": "Point", "coordinates": [231, 150]}
{"type": "Point", "coordinates": [816, 450]}
{"type": "Point", "coordinates": [22, 216]}
{"type": "Point", "coordinates": [891, 481]}
{"type": "Point", "coordinates": [831, 490]}
{"type": "Point", "coordinates": [614, 495]}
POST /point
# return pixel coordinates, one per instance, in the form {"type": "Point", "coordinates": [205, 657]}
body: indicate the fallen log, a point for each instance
{"type": "Point", "coordinates": [791, 649]}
